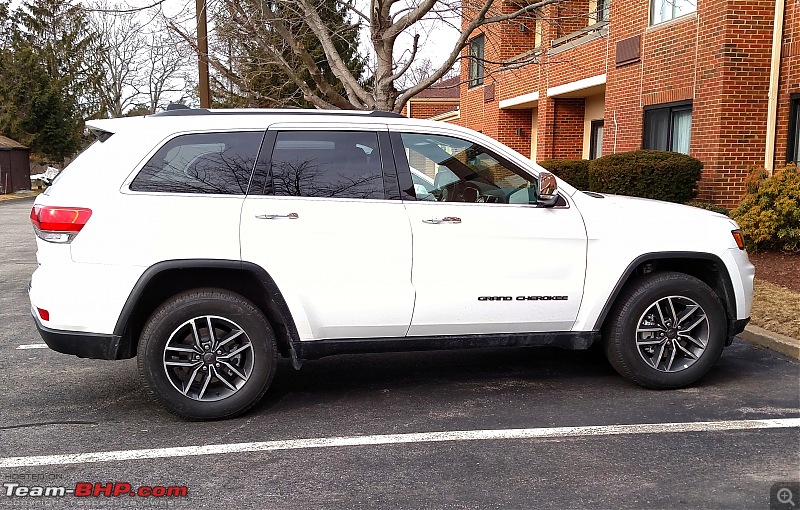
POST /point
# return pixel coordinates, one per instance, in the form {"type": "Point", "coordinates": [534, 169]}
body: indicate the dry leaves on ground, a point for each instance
{"type": "Point", "coordinates": [776, 308]}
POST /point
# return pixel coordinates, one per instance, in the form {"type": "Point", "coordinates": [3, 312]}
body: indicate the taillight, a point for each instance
{"type": "Point", "coordinates": [58, 224]}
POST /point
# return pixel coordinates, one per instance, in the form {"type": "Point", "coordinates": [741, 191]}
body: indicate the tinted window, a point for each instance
{"type": "Point", "coordinates": [327, 164]}
{"type": "Point", "coordinates": [219, 163]}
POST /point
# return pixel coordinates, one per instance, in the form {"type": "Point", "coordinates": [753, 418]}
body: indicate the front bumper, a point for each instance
{"type": "Point", "coordinates": [80, 344]}
{"type": "Point", "coordinates": [735, 327]}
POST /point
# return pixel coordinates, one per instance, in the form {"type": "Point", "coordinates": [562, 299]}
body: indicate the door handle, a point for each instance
{"type": "Point", "coordinates": [446, 219]}
{"type": "Point", "coordinates": [290, 216]}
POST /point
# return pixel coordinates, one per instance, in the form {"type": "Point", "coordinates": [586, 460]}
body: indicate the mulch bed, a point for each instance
{"type": "Point", "coordinates": [779, 268]}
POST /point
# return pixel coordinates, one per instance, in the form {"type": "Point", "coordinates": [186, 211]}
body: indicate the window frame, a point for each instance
{"type": "Point", "coordinates": [793, 131]}
{"type": "Point", "coordinates": [671, 18]}
{"type": "Point", "coordinates": [671, 108]}
{"type": "Point", "coordinates": [600, 13]}
{"type": "Point", "coordinates": [406, 181]}
{"type": "Point", "coordinates": [477, 63]}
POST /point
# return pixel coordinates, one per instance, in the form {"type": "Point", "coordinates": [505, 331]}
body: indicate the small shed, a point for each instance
{"type": "Point", "coordinates": [15, 166]}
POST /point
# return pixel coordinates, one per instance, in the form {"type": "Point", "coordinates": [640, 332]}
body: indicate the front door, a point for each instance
{"type": "Point", "coordinates": [486, 258]}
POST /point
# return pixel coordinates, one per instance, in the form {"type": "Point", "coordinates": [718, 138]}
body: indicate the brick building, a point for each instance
{"type": "Point", "coordinates": [592, 77]}
{"type": "Point", "coordinates": [439, 101]}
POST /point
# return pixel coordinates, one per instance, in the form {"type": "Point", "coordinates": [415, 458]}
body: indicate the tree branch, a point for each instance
{"type": "Point", "coordinates": [402, 71]}
{"type": "Point", "coordinates": [123, 11]}
{"type": "Point", "coordinates": [408, 19]}
{"type": "Point", "coordinates": [355, 91]}
{"type": "Point", "coordinates": [478, 21]}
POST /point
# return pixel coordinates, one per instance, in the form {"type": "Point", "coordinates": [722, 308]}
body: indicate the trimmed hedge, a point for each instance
{"type": "Point", "coordinates": [770, 212]}
{"type": "Point", "coordinates": [574, 171]}
{"type": "Point", "coordinates": [660, 175]}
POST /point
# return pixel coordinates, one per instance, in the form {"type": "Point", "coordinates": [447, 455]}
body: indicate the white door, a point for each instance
{"type": "Point", "coordinates": [485, 259]}
{"type": "Point", "coordinates": [337, 249]}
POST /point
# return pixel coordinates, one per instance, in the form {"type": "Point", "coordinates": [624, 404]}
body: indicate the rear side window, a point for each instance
{"type": "Point", "coordinates": [331, 164]}
{"type": "Point", "coordinates": [212, 163]}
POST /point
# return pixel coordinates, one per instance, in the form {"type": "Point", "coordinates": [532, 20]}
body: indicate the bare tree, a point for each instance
{"type": "Point", "coordinates": [119, 52]}
{"type": "Point", "coordinates": [396, 75]}
{"type": "Point", "coordinates": [166, 68]}
{"type": "Point", "coordinates": [142, 62]}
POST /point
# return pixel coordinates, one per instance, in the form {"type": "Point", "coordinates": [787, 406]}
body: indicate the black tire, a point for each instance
{"type": "Point", "coordinates": [224, 312]}
{"type": "Point", "coordinates": [636, 304]}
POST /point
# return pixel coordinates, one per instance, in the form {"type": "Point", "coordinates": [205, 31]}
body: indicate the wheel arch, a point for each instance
{"type": "Point", "coordinates": [707, 267]}
{"type": "Point", "coordinates": [168, 278]}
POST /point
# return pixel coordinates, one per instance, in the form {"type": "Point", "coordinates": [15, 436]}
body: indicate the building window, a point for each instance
{"type": "Point", "coordinates": [665, 10]}
{"type": "Point", "coordinates": [476, 61]}
{"type": "Point", "coordinates": [793, 145]}
{"type": "Point", "coordinates": [668, 127]}
{"type": "Point", "coordinates": [596, 139]}
{"type": "Point", "coordinates": [598, 11]}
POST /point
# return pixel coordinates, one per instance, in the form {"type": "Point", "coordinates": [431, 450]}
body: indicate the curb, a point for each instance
{"type": "Point", "coordinates": [12, 200]}
{"type": "Point", "coordinates": [773, 341]}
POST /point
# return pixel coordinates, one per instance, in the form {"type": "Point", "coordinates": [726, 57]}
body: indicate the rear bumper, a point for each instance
{"type": "Point", "coordinates": [80, 344]}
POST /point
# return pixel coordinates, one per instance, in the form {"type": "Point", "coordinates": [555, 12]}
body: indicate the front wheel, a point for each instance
{"type": "Point", "coordinates": [665, 331]}
{"type": "Point", "coordinates": [207, 354]}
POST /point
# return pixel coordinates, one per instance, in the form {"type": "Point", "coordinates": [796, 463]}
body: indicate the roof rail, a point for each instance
{"type": "Point", "coordinates": [184, 112]}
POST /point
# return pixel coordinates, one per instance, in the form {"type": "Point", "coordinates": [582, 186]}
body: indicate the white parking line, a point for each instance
{"type": "Point", "coordinates": [32, 346]}
{"type": "Point", "coordinates": [421, 437]}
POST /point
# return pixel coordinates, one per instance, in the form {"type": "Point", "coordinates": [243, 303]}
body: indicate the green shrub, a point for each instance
{"type": "Point", "coordinates": [770, 214]}
{"type": "Point", "coordinates": [710, 207]}
{"type": "Point", "coordinates": [668, 176]}
{"type": "Point", "coordinates": [574, 171]}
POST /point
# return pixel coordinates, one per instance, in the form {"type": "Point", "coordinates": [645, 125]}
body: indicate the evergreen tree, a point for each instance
{"type": "Point", "coordinates": [45, 79]}
{"type": "Point", "coordinates": [254, 80]}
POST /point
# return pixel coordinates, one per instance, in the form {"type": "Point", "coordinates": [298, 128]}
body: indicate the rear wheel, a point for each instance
{"type": "Point", "coordinates": [207, 354]}
{"type": "Point", "coordinates": [666, 331]}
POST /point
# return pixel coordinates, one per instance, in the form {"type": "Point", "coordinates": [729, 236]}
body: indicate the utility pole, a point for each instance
{"type": "Point", "coordinates": [202, 46]}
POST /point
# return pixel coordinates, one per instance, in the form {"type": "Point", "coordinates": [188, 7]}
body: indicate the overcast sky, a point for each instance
{"type": "Point", "coordinates": [436, 39]}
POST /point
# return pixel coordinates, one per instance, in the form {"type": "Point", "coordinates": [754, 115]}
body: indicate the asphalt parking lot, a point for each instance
{"type": "Point", "coordinates": [722, 443]}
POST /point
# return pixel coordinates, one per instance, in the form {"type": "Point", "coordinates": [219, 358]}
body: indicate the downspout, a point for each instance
{"type": "Point", "coordinates": [774, 83]}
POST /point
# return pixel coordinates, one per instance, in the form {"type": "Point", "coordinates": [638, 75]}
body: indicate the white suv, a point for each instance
{"type": "Point", "coordinates": [208, 242]}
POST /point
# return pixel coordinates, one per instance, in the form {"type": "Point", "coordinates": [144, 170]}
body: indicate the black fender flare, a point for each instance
{"type": "Point", "coordinates": [273, 293]}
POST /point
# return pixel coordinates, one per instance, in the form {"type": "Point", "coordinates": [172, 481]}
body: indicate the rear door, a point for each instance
{"type": "Point", "coordinates": [323, 217]}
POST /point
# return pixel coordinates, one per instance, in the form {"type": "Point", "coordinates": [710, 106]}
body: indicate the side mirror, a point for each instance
{"type": "Point", "coordinates": [547, 190]}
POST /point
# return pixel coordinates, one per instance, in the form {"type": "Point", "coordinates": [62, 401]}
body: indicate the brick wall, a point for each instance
{"type": "Point", "coordinates": [718, 58]}
{"type": "Point", "coordinates": [790, 77]}
{"type": "Point", "coordinates": [731, 94]}
{"type": "Point", "coordinates": [566, 130]}
{"type": "Point", "coordinates": [508, 124]}
{"type": "Point", "coordinates": [428, 109]}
